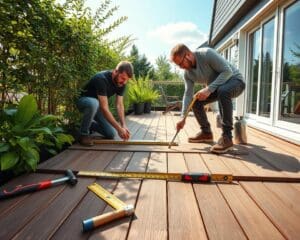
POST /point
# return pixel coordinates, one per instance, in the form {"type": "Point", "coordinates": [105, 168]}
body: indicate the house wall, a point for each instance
{"type": "Point", "coordinates": [238, 35]}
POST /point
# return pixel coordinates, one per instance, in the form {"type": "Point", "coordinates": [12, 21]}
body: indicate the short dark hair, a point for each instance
{"type": "Point", "coordinates": [179, 50]}
{"type": "Point", "coordinates": [125, 66]}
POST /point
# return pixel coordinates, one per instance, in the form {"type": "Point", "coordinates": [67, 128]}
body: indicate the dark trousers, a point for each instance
{"type": "Point", "coordinates": [223, 94]}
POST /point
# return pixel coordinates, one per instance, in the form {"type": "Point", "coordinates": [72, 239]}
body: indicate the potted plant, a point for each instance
{"type": "Point", "coordinates": [136, 96]}
{"type": "Point", "coordinates": [23, 132]}
{"type": "Point", "coordinates": [150, 95]}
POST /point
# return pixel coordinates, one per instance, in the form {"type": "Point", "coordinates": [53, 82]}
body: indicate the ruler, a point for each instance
{"type": "Point", "coordinates": [121, 209]}
{"type": "Point", "coordinates": [132, 142]}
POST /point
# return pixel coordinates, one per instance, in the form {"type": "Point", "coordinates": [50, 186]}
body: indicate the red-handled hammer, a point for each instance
{"type": "Point", "coordinates": [20, 189]}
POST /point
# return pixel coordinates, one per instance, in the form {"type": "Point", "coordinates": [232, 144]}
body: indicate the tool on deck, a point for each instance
{"type": "Point", "coordinates": [20, 189]}
{"type": "Point", "coordinates": [184, 117]}
{"type": "Point", "coordinates": [121, 209]}
{"type": "Point", "coordinates": [132, 142]}
{"type": "Point", "coordinates": [185, 177]}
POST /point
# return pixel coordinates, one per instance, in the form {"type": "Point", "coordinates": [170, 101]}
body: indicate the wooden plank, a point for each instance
{"type": "Point", "coordinates": [49, 219]}
{"type": "Point", "coordinates": [184, 218]}
{"type": "Point", "coordinates": [247, 213]}
{"type": "Point", "coordinates": [279, 201]}
{"type": "Point", "coordinates": [128, 192]}
{"type": "Point", "coordinates": [219, 221]}
{"type": "Point", "coordinates": [151, 211]}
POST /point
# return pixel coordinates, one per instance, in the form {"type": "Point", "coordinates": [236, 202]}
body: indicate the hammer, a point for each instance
{"type": "Point", "coordinates": [20, 189]}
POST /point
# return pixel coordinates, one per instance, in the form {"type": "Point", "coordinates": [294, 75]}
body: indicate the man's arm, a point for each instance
{"type": "Point", "coordinates": [188, 94]}
{"type": "Point", "coordinates": [120, 110]}
{"type": "Point", "coordinates": [220, 65]}
{"type": "Point", "coordinates": [123, 132]}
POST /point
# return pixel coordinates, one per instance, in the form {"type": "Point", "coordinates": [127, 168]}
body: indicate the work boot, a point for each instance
{"type": "Point", "coordinates": [224, 145]}
{"type": "Point", "coordinates": [201, 137]}
{"type": "Point", "coordinates": [86, 140]}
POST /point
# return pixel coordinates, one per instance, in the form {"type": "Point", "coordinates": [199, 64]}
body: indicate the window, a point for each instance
{"type": "Point", "coordinates": [266, 69]}
{"type": "Point", "coordinates": [289, 107]}
{"type": "Point", "coordinates": [253, 72]}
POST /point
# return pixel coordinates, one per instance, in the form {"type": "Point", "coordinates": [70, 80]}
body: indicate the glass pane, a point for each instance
{"type": "Point", "coordinates": [253, 70]}
{"type": "Point", "coordinates": [266, 69]}
{"type": "Point", "coordinates": [290, 80]}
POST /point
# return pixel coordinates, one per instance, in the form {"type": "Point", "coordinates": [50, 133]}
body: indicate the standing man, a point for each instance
{"type": "Point", "coordinates": [223, 82]}
{"type": "Point", "coordinates": [93, 103]}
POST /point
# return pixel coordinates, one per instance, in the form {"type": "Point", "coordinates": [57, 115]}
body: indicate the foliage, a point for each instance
{"type": "Point", "coordinates": [24, 132]}
{"type": "Point", "coordinates": [49, 50]}
{"type": "Point", "coordinates": [164, 72]}
{"type": "Point", "coordinates": [142, 67]}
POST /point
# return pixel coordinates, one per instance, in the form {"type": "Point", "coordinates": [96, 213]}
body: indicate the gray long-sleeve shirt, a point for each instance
{"type": "Point", "coordinates": [211, 69]}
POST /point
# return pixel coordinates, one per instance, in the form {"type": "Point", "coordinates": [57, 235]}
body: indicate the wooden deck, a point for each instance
{"type": "Point", "coordinates": [165, 210]}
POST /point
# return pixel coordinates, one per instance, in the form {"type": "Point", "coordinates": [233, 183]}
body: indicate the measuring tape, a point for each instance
{"type": "Point", "coordinates": [145, 142]}
{"type": "Point", "coordinates": [185, 177]}
{"type": "Point", "coordinates": [121, 209]}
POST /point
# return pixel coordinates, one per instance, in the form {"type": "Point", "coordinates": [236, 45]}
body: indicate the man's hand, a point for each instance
{"type": "Point", "coordinates": [203, 94]}
{"type": "Point", "coordinates": [124, 133]}
{"type": "Point", "coordinates": [180, 124]}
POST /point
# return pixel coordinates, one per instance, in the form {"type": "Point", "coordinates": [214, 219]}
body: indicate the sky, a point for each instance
{"type": "Point", "coordinates": [157, 25]}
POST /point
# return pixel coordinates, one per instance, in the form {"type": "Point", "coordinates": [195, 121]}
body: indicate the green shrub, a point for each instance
{"type": "Point", "coordinates": [24, 132]}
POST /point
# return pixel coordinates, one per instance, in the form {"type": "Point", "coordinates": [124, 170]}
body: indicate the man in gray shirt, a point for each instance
{"type": "Point", "coordinates": [223, 82]}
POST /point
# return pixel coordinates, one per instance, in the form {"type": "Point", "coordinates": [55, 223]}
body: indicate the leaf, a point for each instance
{"type": "Point", "coordinates": [8, 160]}
{"type": "Point", "coordinates": [52, 151]}
{"type": "Point", "coordinates": [24, 143]}
{"type": "Point", "coordinates": [4, 147]}
{"type": "Point", "coordinates": [26, 110]}
{"type": "Point", "coordinates": [10, 112]}
{"type": "Point", "coordinates": [64, 138]}
{"type": "Point", "coordinates": [32, 158]}
{"type": "Point", "coordinates": [41, 130]}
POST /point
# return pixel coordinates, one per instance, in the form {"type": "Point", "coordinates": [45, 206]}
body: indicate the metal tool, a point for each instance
{"type": "Point", "coordinates": [132, 142]}
{"type": "Point", "coordinates": [121, 209]}
{"type": "Point", "coordinates": [21, 189]}
{"type": "Point", "coordinates": [184, 117]}
{"type": "Point", "coordinates": [185, 177]}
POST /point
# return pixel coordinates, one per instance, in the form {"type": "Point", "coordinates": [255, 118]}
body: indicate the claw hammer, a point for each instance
{"type": "Point", "coordinates": [20, 189]}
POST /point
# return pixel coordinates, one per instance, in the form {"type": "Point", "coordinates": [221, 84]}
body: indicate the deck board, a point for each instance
{"type": "Point", "coordinates": [164, 210]}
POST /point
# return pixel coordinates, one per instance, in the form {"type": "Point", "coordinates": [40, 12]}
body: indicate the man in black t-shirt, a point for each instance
{"type": "Point", "coordinates": [93, 103]}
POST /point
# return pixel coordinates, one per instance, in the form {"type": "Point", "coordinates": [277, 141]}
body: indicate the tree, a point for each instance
{"type": "Point", "coordinates": [164, 71]}
{"type": "Point", "coordinates": [142, 67]}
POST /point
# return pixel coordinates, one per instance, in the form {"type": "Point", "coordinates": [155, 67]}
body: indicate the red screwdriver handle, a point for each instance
{"type": "Point", "coordinates": [20, 189]}
{"type": "Point", "coordinates": [196, 177]}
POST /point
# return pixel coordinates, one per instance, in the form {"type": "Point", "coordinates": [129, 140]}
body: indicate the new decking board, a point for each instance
{"type": "Point", "coordinates": [184, 218]}
{"type": "Point", "coordinates": [219, 221]}
{"type": "Point", "coordinates": [246, 211]}
{"type": "Point", "coordinates": [164, 210]}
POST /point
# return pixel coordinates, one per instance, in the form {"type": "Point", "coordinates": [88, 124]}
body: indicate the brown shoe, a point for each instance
{"type": "Point", "coordinates": [201, 137]}
{"type": "Point", "coordinates": [86, 140]}
{"type": "Point", "coordinates": [224, 145]}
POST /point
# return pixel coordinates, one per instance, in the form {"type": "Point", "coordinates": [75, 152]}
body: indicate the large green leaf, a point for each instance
{"type": "Point", "coordinates": [8, 160]}
{"type": "Point", "coordinates": [26, 110]}
{"type": "Point", "coordinates": [4, 147]}
{"type": "Point", "coordinates": [26, 143]}
{"type": "Point", "coordinates": [44, 130]}
{"type": "Point", "coordinates": [32, 158]}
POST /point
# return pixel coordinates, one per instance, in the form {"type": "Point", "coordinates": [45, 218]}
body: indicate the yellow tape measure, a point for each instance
{"type": "Point", "coordinates": [185, 177]}
{"type": "Point", "coordinates": [112, 200]}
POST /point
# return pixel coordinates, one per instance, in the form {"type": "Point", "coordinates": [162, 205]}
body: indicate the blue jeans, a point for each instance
{"type": "Point", "coordinates": [223, 94]}
{"type": "Point", "coordinates": [93, 119]}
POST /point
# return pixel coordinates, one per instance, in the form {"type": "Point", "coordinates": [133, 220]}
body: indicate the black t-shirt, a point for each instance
{"type": "Point", "coordinates": [103, 85]}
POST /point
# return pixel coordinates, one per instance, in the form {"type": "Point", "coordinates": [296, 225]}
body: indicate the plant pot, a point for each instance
{"type": "Point", "coordinates": [138, 108]}
{"type": "Point", "coordinates": [147, 107]}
